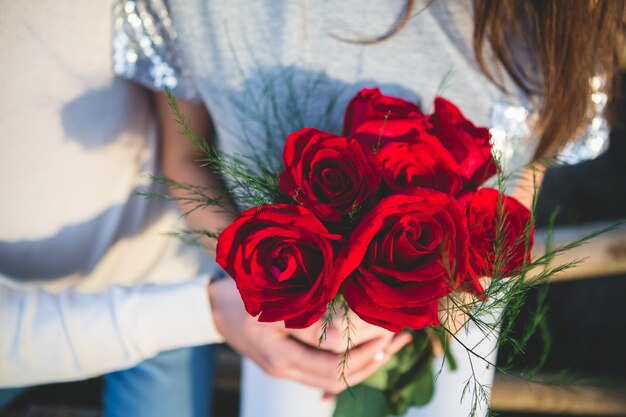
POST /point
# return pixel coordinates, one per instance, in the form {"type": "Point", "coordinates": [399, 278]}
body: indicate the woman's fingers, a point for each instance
{"type": "Point", "coordinates": [324, 368]}
{"type": "Point", "coordinates": [368, 366]}
{"type": "Point", "coordinates": [333, 336]}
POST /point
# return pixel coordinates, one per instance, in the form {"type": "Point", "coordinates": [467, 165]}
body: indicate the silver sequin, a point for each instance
{"type": "Point", "coordinates": [511, 135]}
{"type": "Point", "coordinates": [595, 140]}
{"type": "Point", "coordinates": [513, 140]}
{"type": "Point", "coordinates": [144, 47]}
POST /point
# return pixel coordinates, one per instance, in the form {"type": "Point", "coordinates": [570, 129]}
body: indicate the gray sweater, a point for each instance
{"type": "Point", "coordinates": [265, 68]}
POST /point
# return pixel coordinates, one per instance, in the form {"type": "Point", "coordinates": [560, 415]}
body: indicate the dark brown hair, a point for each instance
{"type": "Point", "coordinates": [550, 49]}
{"type": "Point", "coordinates": [559, 46]}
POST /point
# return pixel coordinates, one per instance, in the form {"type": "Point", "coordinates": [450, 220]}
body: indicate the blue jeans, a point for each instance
{"type": "Point", "coordinates": [9, 394]}
{"type": "Point", "coordinates": [176, 383]}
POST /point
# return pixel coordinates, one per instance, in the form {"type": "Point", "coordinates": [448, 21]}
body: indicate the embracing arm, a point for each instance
{"type": "Point", "coordinates": [180, 162]}
{"type": "Point", "coordinates": [47, 336]}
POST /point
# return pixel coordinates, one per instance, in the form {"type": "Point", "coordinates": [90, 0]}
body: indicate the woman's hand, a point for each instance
{"type": "Point", "coordinates": [294, 354]}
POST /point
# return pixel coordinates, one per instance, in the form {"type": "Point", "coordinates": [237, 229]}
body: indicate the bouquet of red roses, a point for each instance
{"type": "Point", "coordinates": [388, 216]}
{"type": "Point", "coordinates": [387, 220]}
{"type": "Point", "coordinates": [390, 220]}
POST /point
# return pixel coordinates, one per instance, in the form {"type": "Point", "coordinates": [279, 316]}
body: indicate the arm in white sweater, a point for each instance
{"type": "Point", "coordinates": [53, 337]}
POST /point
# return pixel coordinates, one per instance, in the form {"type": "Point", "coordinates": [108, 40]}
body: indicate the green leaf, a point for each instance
{"type": "Point", "coordinates": [405, 380]}
{"type": "Point", "coordinates": [445, 343]}
{"type": "Point", "coordinates": [418, 391]}
{"type": "Point", "coordinates": [362, 401]}
{"type": "Point", "coordinates": [366, 400]}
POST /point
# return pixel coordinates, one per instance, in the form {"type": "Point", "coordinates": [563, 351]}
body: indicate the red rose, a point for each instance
{"type": "Point", "coordinates": [481, 208]}
{"type": "Point", "coordinates": [425, 164]}
{"type": "Point", "coordinates": [327, 173]}
{"type": "Point", "coordinates": [408, 252]}
{"type": "Point", "coordinates": [281, 258]}
{"type": "Point", "coordinates": [371, 105]}
{"type": "Point", "coordinates": [374, 134]}
{"type": "Point", "coordinates": [468, 144]}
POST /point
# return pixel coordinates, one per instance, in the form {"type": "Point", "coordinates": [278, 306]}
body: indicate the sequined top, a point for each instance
{"type": "Point", "coordinates": [252, 63]}
{"type": "Point", "coordinates": [144, 42]}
